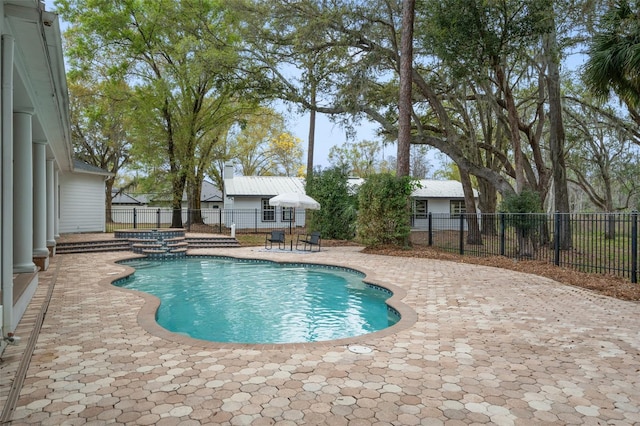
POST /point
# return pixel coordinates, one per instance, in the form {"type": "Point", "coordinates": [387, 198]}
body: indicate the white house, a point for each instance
{"type": "Point", "coordinates": [439, 197]}
{"type": "Point", "coordinates": [248, 198]}
{"type": "Point", "coordinates": [82, 199]}
{"type": "Point", "coordinates": [35, 152]}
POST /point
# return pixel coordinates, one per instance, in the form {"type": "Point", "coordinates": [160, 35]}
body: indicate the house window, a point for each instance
{"type": "Point", "coordinates": [457, 207]}
{"type": "Point", "coordinates": [420, 209]}
{"type": "Point", "coordinates": [287, 214]}
{"type": "Point", "coordinates": [268, 212]}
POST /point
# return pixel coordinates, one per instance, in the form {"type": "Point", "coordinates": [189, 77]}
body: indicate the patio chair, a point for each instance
{"type": "Point", "coordinates": [275, 237]}
{"type": "Point", "coordinates": [309, 241]}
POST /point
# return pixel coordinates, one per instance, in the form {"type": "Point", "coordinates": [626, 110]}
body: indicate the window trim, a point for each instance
{"type": "Point", "coordinates": [268, 210]}
{"type": "Point", "coordinates": [457, 207]}
{"type": "Point", "coordinates": [288, 214]}
{"type": "Point", "coordinates": [420, 214]}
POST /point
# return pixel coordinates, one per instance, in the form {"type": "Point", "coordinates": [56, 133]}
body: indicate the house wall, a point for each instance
{"type": "Point", "coordinates": [246, 213]}
{"type": "Point", "coordinates": [82, 203]}
{"type": "Point", "coordinates": [439, 207]}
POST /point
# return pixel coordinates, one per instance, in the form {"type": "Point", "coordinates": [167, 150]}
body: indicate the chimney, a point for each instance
{"type": "Point", "coordinates": [228, 171]}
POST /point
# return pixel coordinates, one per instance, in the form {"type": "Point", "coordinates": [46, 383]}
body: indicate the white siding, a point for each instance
{"type": "Point", "coordinates": [82, 203]}
{"type": "Point", "coordinates": [246, 213]}
{"type": "Point", "coordinates": [439, 205]}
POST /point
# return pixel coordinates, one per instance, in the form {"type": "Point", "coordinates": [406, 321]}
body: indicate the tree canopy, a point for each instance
{"type": "Point", "coordinates": [484, 84]}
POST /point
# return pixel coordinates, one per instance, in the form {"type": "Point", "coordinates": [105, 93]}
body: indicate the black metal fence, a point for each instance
{"type": "Point", "coordinates": [604, 243]}
{"type": "Point", "coordinates": [590, 242]}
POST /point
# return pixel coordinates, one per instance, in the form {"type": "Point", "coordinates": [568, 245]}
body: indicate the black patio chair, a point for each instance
{"type": "Point", "coordinates": [309, 241]}
{"type": "Point", "coordinates": [274, 237]}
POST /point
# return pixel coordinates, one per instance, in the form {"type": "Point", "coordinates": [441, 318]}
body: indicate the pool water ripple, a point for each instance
{"type": "Point", "coordinates": [231, 300]}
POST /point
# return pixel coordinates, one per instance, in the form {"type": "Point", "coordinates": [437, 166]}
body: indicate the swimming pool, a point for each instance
{"type": "Point", "coordinates": [249, 301]}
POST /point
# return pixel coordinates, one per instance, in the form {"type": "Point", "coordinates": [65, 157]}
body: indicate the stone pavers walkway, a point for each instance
{"type": "Point", "coordinates": [487, 346]}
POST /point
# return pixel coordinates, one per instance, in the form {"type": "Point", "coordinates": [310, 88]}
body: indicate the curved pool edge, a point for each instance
{"type": "Point", "coordinates": [146, 317]}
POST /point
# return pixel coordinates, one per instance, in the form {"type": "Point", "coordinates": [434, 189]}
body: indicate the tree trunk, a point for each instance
{"type": "Point", "coordinates": [514, 127]}
{"type": "Point", "coordinates": [404, 102]}
{"type": "Point", "coordinates": [557, 139]}
{"type": "Point", "coordinates": [474, 236]}
{"type": "Point", "coordinates": [312, 132]}
{"type": "Point", "coordinates": [525, 243]}
{"type": "Point", "coordinates": [176, 202]}
{"type": "Point", "coordinates": [610, 227]}
{"type": "Point", "coordinates": [194, 189]}
{"type": "Point", "coordinates": [108, 187]}
{"type": "Point", "coordinates": [487, 203]}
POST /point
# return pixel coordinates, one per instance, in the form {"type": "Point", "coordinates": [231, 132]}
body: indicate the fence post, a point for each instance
{"type": "Point", "coordinates": [135, 218]}
{"type": "Point", "coordinates": [220, 221]}
{"type": "Point", "coordinates": [502, 233]}
{"type": "Point", "coordinates": [634, 247]}
{"type": "Point", "coordinates": [461, 233]}
{"type": "Point", "coordinates": [255, 221]}
{"type": "Point", "coordinates": [158, 218]}
{"type": "Point", "coordinates": [556, 238]}
{"type": "Point", "coordinates": [430, 216]}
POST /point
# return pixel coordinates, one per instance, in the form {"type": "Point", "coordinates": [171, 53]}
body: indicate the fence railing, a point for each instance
{"type": "Point", "coordinates": [589, 242]}
{"type": "Point", "coordinates": [207, 220]}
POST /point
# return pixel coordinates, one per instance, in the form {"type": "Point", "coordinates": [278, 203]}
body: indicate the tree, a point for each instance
{"type": "Point", "coordinates": [405, 104]}
{"type": "Point", "coordinates": [614, 56]}
{"type": "Point", "coordinates": [250, 141]}
{"type": "Point", "coordinates": [420, 165]}
{"type": "Point", "coordinates": [604, 159]}
{"type": "Point", "coordinates": [183, 59]}
{"type": "Point", "coordinates": [521, 212]}
{"type": "Point", "coordinates": [302, 60]}
{"type": "Point", "coordinates": [557, 134]}
{"type": "Point", "coordinates": [99, 110]}
{"type": "Point", "coordinates": [286, 155]}
{"type": "Point", "coordinates": [357, 158]}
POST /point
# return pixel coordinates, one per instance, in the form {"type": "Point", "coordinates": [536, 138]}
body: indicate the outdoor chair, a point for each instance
{"type": "Point", "coordinates": [274, 237]}
{"type": "Point", "coordinates": [309, 241]}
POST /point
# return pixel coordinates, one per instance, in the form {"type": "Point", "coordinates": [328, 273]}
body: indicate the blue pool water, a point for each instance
{"type": "Point", "coordinates": [231, 300]}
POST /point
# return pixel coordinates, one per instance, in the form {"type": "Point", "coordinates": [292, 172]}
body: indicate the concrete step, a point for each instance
{"type": "Point", "coordinates": [96, 248]}
{"type": "Point", "coordinates": [201, 242]}
{"type": "Point", "coordinates": [178, 244]}
{"type": "Point", "coordinates": [149, 245]}
{"type": "Point", "coordinates": [155, 251]}
{"type": "Point", "coordinates": [140, 245]}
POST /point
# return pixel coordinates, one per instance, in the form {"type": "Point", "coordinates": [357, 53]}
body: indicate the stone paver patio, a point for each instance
{"type": "Point", "coordinates": [479, 346]}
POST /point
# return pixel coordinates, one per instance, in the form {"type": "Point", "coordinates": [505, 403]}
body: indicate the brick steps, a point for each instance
{"type": "Point", "coordinates": [200, 242]}
{"type": "Point", "coordinates": [176, 245]}
{"type": "Point", "coordinates": [93, 246]}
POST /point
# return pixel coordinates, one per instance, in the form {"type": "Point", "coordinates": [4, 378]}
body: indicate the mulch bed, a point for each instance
{"type": "Point", "coordinates": [607, 285]}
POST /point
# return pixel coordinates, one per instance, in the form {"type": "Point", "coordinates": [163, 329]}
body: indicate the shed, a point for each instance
{"type": "Point", "coordinates": [82, 198]}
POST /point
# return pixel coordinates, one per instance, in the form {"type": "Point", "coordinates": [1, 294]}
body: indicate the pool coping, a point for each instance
{"type": "Point", "coordinates": [146, 315]}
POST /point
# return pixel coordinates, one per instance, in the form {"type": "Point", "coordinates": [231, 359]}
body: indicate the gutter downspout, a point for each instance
{"type": "Point", "coordinates": [6, 204]}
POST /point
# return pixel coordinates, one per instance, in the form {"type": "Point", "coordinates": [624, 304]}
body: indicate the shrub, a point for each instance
{"type": "Point", "coordinates": [337, 215]}
{"type": "Point", "coordinates": [383, 210]}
